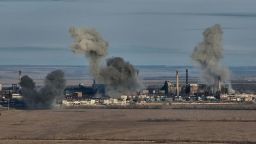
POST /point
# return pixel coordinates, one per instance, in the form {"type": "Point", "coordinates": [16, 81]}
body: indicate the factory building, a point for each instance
{"type": "Point", "coordinates": [179, 89]}
{"type": "Point", "coordinates": [11, 97]}
{"type": "Point", "coordinates": [193, 89]}
{"type": "Point", "coordinates": [171, 89]}
{"type": "Point", "coordinates": [85, 92]}
{"type": "Point", "coordinates": [187, 90]}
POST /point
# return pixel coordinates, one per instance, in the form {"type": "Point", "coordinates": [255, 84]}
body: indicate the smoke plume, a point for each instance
{"type": "Point", "coordinates": [89, 42]}
{"type": "Point", "coordinates": [28, 90]}
{"type": "Point", "coordinates": [52, 91]}
{"type": "Point", "coordinates": [208, 55]}
{"type": "Point", "coordinates": [120, 77]}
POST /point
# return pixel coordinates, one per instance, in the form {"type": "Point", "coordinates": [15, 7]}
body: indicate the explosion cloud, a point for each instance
{"type": "Point", "coordinates": [120, 77]}
{"type": "Point", "coordinates": [29, 92]}
{"type": "Point", "coordinates": [51, 92]}
{"type": "Point", "coordinates": [208, 55]}
{"type": "Point", "coordinates": [89, 42]}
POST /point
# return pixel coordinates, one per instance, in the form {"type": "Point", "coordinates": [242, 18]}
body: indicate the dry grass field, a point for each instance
{"type": "Point", "coordinates": [127, 126]}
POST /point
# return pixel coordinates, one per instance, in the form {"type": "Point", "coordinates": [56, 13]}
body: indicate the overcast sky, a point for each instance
{"type": "Point", "coordinates": [144, 32]}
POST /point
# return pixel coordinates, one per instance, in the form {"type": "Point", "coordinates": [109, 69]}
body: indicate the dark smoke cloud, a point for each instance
{"type": "Point", "coordinates": [120, 77]}
{"type": "Point", "coordinates": [28, 90]}
{"type": "Point", "coordinates": [89, 42]}
{"type": "Point", "coordinates": [208, 55]}
{"type": "Point", "coordinates": [47, 96]}
{"type": "Point", "coordinates": [27, 82]}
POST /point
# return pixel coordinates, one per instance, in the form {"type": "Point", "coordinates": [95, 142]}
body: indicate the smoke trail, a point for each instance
{"type": "Point", "coordinates": [208, 55]}
{"type": "Point", "coordinates": [47, 96]}
{"type": "Point", "coordinates": [89, 42]}
{"type": "Point", "coordinates": [120, 77]}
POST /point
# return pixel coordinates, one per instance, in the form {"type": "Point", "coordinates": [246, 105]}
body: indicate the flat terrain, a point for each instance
{"type": "Point", "coordinates": [127, 126]}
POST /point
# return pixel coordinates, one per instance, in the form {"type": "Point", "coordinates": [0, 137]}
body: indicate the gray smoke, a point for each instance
{"type": "Point", "coordinates": [28, 90]}
{"type": "Point", "coordinates": [208, 55]}
{"type": "Point", "coordinates": [120, 77]}
{"type": "Point", "coordinates": [47, 96]}
{"type": "Point", "coordinates": [89, 42]}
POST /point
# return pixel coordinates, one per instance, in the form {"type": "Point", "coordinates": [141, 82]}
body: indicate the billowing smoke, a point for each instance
{"type": "Point", "coordinates": [29, 92]}
{"type": "Point", "coordinates": [89, 42]}
{"type": "Point", "coordinates": [208, 55]}
{"type": "Point", "coordinates": [47, 96]}
{"type": "Point", "coordinates": [120, 77]}
{"type": "Point", "coordinates": [53, 89]}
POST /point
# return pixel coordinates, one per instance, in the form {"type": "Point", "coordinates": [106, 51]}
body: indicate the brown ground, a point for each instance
{"type": "Point", "coordinates": [123, 126]}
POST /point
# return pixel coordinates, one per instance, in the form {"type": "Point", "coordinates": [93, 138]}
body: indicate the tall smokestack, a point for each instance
{"type": "Point", "coordinates": [19, 76]}
{"type": "Point", "coordinates": [177, 83]}
{"type": "Point", "coordinates": [187, 86]}
{"type": "Point", "coordinates": [219, 84]}
{"type": "Point", "coordinates": [94, 82]}
{"type": "Point", "coordinates": [186, 77]}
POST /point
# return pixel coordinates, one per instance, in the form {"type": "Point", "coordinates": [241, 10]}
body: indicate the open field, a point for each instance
{"type": "Point", "coordinates": [127, 126]}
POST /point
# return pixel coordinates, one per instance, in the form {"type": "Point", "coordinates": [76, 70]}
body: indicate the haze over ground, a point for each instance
{"type": "Point", "coordinates": [144, 32]}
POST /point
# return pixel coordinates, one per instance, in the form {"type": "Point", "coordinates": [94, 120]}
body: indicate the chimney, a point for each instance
{"type": "Point", "coordinates": [186, 77]}
{"type": "Point", "coordinates": [19, 76]}
{"type": "Point", "coordinates": [94, 82]}
{"type": "Point", "coordinates": [187, 86]}
{"type": "Point", "coordinates": [219, 84]}
{"type": "Point", "coordinates": [177, 83]}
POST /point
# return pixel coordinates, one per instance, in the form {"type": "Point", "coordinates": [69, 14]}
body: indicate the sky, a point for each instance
{"type": "Point", "coordinates": [144, 32]}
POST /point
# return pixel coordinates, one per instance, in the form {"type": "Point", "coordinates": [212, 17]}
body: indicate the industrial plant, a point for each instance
{"type": "Point", "coordinates": [177, 91]}
{"type": "Point", "coordinates": [116, 82]}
